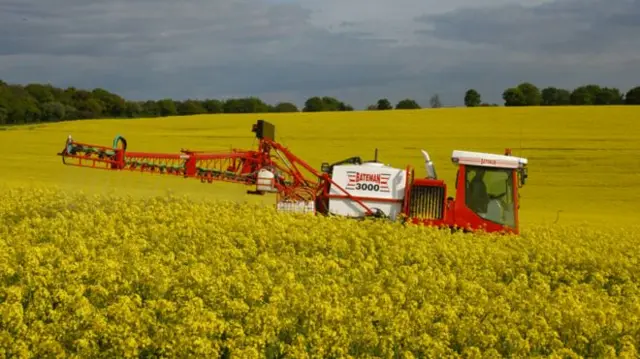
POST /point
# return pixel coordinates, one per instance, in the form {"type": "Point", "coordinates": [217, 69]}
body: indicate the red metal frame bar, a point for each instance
{"type": "Point", "coordinates": [238, 166]}
{"type": "Point", "coordinates": [323, 177]}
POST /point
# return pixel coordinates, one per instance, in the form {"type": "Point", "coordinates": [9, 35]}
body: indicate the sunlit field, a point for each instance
{"type": "Point", "coordinates": [98, 276]}
{"type": "Point", "coordinates": [107, 264]}
{"type": "Point", "coordinates": [584, 161]}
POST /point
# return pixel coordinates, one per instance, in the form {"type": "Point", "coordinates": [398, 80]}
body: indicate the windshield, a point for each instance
{"type": "Point", "coordinates": [490, 193]}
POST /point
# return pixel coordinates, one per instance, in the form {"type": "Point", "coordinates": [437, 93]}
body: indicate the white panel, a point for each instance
{"type": "Point", "coordinates": [487, 159]}
{"type": "Point", "coordinates": [296, 206]}
{"type": "Point", "coordinates": [373, 180]}
{"type": "Point", "coordinates": [265, 181]}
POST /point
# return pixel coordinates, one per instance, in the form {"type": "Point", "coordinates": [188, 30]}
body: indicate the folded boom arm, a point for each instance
{"type": "Point", "coordinates": [236, 166]}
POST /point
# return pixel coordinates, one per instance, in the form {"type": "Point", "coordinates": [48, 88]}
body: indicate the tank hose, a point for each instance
{"type": "Point", "coordinates": [117, 139]}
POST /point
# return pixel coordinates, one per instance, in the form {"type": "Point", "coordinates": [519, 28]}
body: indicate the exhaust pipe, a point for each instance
{"type": "Point", "coordinates": [431, 170]}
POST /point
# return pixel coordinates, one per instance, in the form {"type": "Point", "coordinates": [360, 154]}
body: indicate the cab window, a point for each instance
{"type": "Point", "coordinates": [489, 193]}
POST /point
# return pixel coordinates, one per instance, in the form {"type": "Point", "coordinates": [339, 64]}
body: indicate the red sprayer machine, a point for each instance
{"type": "Point", "coordinates": [486, 185]}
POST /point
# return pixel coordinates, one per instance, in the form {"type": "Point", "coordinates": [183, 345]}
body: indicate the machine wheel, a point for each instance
{"type": "Point", "coordinates": [377, 214]}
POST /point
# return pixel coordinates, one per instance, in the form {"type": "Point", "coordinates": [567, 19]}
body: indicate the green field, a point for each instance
{"type": "Point", "coordinates": [584, 161]}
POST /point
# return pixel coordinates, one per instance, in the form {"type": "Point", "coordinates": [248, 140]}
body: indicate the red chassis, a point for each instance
{"type": "Point", "coordinates": [273, 168]}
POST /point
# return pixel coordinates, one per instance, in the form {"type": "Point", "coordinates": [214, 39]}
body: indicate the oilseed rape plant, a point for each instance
{"type": "Point", "coordinates": [116, 276]}
{"type": "Point", "coordinates": [113, 264]}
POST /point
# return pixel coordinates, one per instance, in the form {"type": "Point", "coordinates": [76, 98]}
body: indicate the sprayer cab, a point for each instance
{"type": "Point", "coordinates": [486, 193]}
{"type": "Point", "coordinates": [487, 188]}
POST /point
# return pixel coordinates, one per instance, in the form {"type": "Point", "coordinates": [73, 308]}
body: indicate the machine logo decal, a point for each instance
{"type": "Point", "coordinates": [378, 182]}
{"type": "Point", "coordinates": [484, 161]}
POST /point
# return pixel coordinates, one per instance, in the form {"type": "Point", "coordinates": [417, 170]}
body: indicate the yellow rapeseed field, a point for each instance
{"type": "Point", "coordinates": [106, 277]}
{"type": "Point", "coordinates": [101, 264]}
{"type": "Point", "coordinates": [584, 161]}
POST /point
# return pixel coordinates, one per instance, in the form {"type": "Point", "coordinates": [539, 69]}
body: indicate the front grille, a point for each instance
{"type": "Point", "coordinates": [427, 202]}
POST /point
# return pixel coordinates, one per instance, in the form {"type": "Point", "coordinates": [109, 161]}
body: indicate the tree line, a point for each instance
{"type": "Point", "coordinates": [527, 94]}
{"type": "Point", "coordinates": [34, 103]}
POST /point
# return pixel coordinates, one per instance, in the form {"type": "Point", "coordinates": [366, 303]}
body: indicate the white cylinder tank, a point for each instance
{"type": "Point", "coordinates": [265, 181]}
{"type": "Point", "coordinates": [375, 184]}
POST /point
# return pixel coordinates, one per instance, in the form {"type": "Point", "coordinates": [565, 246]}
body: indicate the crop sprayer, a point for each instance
{"type": "Point", "coordinates": [486, 184]}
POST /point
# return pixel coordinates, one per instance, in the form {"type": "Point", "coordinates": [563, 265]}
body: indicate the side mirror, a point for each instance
{"type": "Point", "coordinates": [523, 176]}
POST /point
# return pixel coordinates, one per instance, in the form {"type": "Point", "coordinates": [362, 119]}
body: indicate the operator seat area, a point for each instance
{"type": "Point", "coordinates": [489, 193]}
{"type": "Point", "coordinates": [476, 194]}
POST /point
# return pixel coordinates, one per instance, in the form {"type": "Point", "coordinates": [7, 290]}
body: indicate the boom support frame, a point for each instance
{"type": "Point", "coordinates": [290, 183]}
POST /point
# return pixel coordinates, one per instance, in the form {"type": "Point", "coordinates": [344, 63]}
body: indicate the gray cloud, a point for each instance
{"type": "Point", "coordinates": [290, 50]}
{"type": "Point", "coordinates": [569, 27]}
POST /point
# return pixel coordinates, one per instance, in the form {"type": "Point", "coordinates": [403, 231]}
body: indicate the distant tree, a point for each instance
{"type": "Point", "coordinates": [213, 106]}
{"type": "Point", "coordinates": [472, 98]}
{"type": "Point", "coordinates": [53, 111]}
{"type": "Point", "coordinates": [151, 109]}
{"type": "Point", "coordinates": [372, 108]}
{"type": "Point", "coordinates": [4, 115]}
{"type": "Point", "coordinates": [549, 96]}
{"type": "Point", "coordinates": [609, 96]}
{"type": "Point", "coordinates": [254, 105]}
{"type": "Point", "coordinates": [407, 104]}
{"type": "Point", "coordinates": [28, 111]}
{"type": "Point", "coordinates": [384, 104]}
{"type": "Point", "coordinates": [167, 107]}
{"type": "Point", "coordinates": [245, 105]}
{"type": "Point", "coordinates": [563, 97]}
{"type": "Point", "coordinates": [86, 104]}
{"type": "Point", "coordinates": [20, 107]}
{"type": "Point", "coordinates": [190, 107]}
{"type": "Point", "coordinates": [313, 104]}
{"type": "Point", "coordinates": [585, 95]}
{"type": "Point", "coordinates": [133, 109]}
{"type": "Point", "coordinates": [530, 93]}
{"type": "Point", "coordinates": [285, 107]}
{"type": "Point", "coordinates": [331, 104]}
{"type": "Point", "coordinates": [513, 97]}
{"type": "Point", "coordinates": [434, 101]}
{"type": "Point", "coordinates": [552, 96]}
{"type": "Point", "coordinates": [41, 93]}
{"type": "Point", "coordinates": [111, 104]}
{"type": "Point", "coordinates": [71, 113]}
{"type": "Point", "coordinates": [633, 96]}
{"type": "Point", "coordinates": [326, 103]}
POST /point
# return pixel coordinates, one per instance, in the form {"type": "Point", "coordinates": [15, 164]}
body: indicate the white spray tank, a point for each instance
{"type": "Point", "coordinates": [265, 181]}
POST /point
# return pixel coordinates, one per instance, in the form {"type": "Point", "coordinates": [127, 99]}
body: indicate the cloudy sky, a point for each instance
{"type": "Point", "coordinates": [289, 50]}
